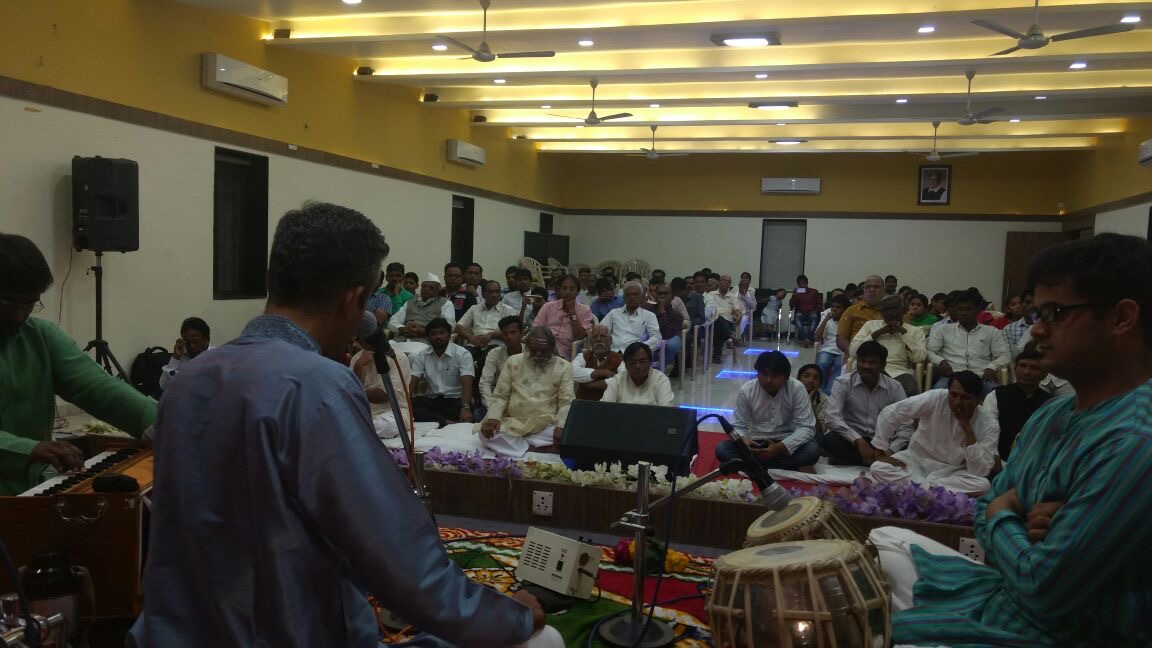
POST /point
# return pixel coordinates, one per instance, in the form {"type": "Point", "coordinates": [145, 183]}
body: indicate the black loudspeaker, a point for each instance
{"type": "Point", "coordinates": [105, 204]}
{"type": "Point", "coordinates": [606, 432]}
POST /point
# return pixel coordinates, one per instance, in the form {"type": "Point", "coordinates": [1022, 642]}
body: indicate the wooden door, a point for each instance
{"type": "Point", "coordinates": [1019, 248]}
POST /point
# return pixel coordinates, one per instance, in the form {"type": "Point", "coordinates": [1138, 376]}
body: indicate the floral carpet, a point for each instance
{"type": "Point", "coordinates": [491, 559]}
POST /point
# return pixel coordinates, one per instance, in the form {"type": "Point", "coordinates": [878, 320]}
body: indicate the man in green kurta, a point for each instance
{"type": "Point", "coordinates": [38, 362]}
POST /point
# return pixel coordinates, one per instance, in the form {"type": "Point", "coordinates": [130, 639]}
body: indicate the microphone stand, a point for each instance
{"type": "Point", "coordinates": [380, 350]}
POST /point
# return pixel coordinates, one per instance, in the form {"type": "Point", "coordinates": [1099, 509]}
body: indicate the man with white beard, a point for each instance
{"type": "Point", "coordinates": [531, 399]}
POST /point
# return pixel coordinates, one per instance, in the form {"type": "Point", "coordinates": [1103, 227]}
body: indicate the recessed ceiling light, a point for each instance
{"type": "Point", "coordinates": [788, 142]}
{"type": "Point", "coordinates": [1040, 97]}
{"type": "Point", "coordinates": [579, 125]}
{"type": "Point", "coordinates": [351, 1]}
{"type": "Point", "coordinates": [901, 100]}
{"type": "Point", "coordinates": [746, 40]}
{"type": "Point", "coordinates": [762, 75]}
{"type": "Point", "coordinates": [1014, 120]}
{"type": "Point", "coordinates": [781, 124]}
{"type": "Point", "coordinates": [926, 29]}
{"type": "Point", "coordinates": [654, 105]}
{"type": "Point", "coordinates": [498, 81]}
{"type": "Point", "coordinates": [1078, 65]}
{"type": "Point", "coordinates": [587, 42]}
{"type": "Point", "coordinates": [772, 105]}
{"type": "Point", "coordinates": [546, 106]}
{"type": "Point", "coordinates": [1128, 20]}
{"type": "Point", "coordinates": [439, 47]}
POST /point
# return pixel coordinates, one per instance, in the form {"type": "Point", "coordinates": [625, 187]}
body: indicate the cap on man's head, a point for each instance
{"type": "Point", "coordinates": [432, 278]}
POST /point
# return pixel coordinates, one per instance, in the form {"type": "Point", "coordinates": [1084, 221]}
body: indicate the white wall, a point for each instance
{"type": "Point", "coordinates": [149, 292]}
{"type": "Point", "coordinates": [929, 255]}
{"type": "Point", "coordinates": [1130, 220]}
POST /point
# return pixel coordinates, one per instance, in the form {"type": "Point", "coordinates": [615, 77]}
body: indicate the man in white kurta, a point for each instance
{"type": "Point", "coordinates": [639, 384]}
{"type": "Point", "coordinates": [531, 399]}
{"type": "Point", "coordinates": [955, 445]}
{"type": "Point", "coordinates": [400, 374]}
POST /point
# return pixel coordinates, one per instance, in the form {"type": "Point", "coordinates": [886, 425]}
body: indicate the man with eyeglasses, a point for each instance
{"type": "Point", "coordinates": [856, 315]}
{"type": "Point", "coordinates": [38, 362]}
{"type": "Point", "coordinates": [1065, 526]}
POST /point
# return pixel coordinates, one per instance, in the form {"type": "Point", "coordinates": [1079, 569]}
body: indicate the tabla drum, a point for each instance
{"type": "Point", "coordinates": [805, 518]}
{"type": "Point", "coordinates": [807, 594]}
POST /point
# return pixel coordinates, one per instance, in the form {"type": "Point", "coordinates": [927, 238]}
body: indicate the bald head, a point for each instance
{"type": "Point", "coordinates": [873, 290]}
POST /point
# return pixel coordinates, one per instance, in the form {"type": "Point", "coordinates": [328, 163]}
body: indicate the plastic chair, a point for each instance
{"type": "Point", "coordinates": [533, 266]}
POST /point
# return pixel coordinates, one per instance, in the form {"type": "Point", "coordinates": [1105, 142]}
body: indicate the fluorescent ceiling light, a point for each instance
{"type": "Point", "coordinates": [1040, 97]}
{"type": "Point", "coordinates": [654, 105]}
{"type": "Point", "coordinates": [772, 105]}
{"type": "Point", "coordinates": [579, 125]}
{"type": "Point", "coordinates": [439, 47]}
{"type": "Point", "coordinates": [351, 1]}
{"type": "Point", "coordinates": [1128, 20]}
{"type": "Point", "coordinates": [901, 100]}
{"type": "Point", "coordinates": [586, 42]}
{"type": "Point", "coordinates": [762, 75]}
{"type": "Point", "coordinates": [926, 29]}
{"type": "Point", "coordinates": [1078, 65]}
{"type": "Point", "coordinates": [788, 142]}
{"type": "Point", "coordinates": [746, 40]}
{"type": "Point", "coordinates": [546, 106]}
{"type": "Point", "coordinates": [499, 80]}
{"type": "Point", "coordinates": [781, 124]}
{"type": "Point", "coordinates": [1014, 120]}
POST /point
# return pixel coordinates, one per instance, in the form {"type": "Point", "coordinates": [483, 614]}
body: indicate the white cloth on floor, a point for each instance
{"type": "Point", "coordinates": [512, 445]}
{"type": "Point", "coordinates": [894, 547]}
{"type": "Point", "coordinates": [547, 637]}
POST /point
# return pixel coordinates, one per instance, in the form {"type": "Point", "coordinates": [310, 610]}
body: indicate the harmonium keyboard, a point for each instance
{"type": "Point", "coordinates": [98, 529]}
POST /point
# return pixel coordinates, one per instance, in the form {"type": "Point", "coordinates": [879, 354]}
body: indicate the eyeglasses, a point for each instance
{"type": "Point", "coordinates": [26, 306]}
{"type": "Point", "coordinates": [1052, 313]}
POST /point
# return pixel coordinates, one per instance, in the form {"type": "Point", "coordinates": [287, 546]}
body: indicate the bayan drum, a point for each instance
{"type": "Point", "coordinates": [805, 518]}
{"type": "Point", "coordinates": [810, 594]}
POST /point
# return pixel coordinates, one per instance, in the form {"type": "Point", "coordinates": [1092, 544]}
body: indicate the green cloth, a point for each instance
{"type": "Point", "coordinates": [925, 319]}
{"type": "Point", "coordinates": [397, 300]}
{"type": "Point", "coordinates": [37, 364]}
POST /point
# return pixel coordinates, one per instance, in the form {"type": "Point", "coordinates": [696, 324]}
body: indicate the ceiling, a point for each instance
{"type": "Point", "coordinates": [844, 64]}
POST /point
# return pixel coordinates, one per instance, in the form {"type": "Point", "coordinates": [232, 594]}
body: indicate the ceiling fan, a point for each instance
{"type": "Point", "coordinates": [483, 52]}
{"type": "Point", "coordinates": [934, 155]}
{"type": "Point", "coordinates": [593, 119]}
{"type": "Point", "coordinates": [978, 118]}
{"type": "Point", "coordinates": [1035, 38]}
{"type": "Point", "coordinates": [651, 153]}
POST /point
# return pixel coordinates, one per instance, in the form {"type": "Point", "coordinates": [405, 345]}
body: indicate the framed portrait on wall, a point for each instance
{"type": "Point", "coordinates": [935, 186]}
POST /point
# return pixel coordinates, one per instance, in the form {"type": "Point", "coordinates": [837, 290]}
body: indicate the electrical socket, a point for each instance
{"type": "Point", "coordinates": [542, 503]}
{"type": "Point", "coordinates": [972, 549]}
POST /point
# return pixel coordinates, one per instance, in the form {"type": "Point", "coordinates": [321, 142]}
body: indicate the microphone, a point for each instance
{"type": "Point", "coordinates": [374, 335]}
{"type": "Point", "coordinates": [773, 495]}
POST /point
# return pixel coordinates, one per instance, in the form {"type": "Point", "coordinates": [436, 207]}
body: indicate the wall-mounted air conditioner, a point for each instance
{"type": "Point", "coordinates": [237, 78]}
{"type": "Point", "coordinates": [462, 152]}
{"type": "Point", "coordinates": [1145, 155]}
{"type": "Point", "coordinates": [790, 185]}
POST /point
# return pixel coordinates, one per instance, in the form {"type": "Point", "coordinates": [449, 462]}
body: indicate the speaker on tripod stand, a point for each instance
{"type": "Point", "coordinates": [105, 218]}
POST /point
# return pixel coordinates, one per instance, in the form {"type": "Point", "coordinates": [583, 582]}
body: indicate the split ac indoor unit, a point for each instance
{"type": "Point", "coordinates": [239, 79]}
{"type": "Point", "coordinates": [790, 185]}
{"type": "Point", "coordinates": [462, 152]}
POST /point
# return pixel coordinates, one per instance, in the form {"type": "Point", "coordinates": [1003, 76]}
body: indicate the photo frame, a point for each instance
{"type": "Point", "coordinates": [935, 185]}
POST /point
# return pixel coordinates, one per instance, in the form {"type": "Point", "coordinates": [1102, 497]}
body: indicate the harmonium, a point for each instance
{"type": "Point", "coordinates": [95, 516]}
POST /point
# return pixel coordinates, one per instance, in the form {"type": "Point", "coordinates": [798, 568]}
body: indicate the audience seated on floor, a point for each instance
{"type": "Point", "coordinates": [905, 343]}
{"type": "Point", "coordinates": [967, 345]}
{"type": "Point", "coordinates": [854, 407]}
{"type": "Point", "coordinates": [829, 357]}
{"type": "Point", "coordinates": [606, 298]}
{"type": "Point", "coordinates": [727, 313]}
{"type": "Point", "coordinates": [773, 417]}
{"type": "Point", "coordinates": [1013, 404]}
{"type": "Point", "coordinates": [511, 332]}
{"type": "Point", "coordinates": [448, 371]}
{"type": "Point", "coordinates": [195, 338]}
{"type": "Point", "coordinates": [805, 305]}
{"type": "Point", "coordinates": [631, 323]}
{"type": "Point", "coordinates": [640, 383]}
{"type": "Point", "coordinates": [363, 364]}
{"type": "Point", "coordinates": [456, 291]}
{"type": "Point", "coordinates": [954, 445]}
{"type": "Point", "coordinates": [872, 291]}
{"type": "Point", "coordinates": [812, 378]}
{"type": "Point", "coordinates": [531, 399]}
{"type": "Point", "coordinates": [671, 323]}
{"type": "Point", "coordinates": [479, 329]}
{"type": "Point", "coordinates": [596, 364]}
{"type": "Point", "coordinates": [410, 322]}
{"type": "Point", "coordinates": [567, 318]}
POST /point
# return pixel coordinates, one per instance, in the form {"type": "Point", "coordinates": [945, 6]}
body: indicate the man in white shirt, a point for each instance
{"type": "Point", "coordinates": [726, 304]}
{"type": "Point", "coordinates": [967, 345]}
{"type": "Point", "coordinates": [195, 338]}
{"type": "Point", "coordinates": [905, 343]}
{"type": "Point", "coordinates": [855, 405]}
{"type": "Point", "coordinates": [631, 323]}
{"type": "Point", "coordinates": [774, 418]}
{"type": "Point", "coordinates": [511, 331]}
{"type": "Point", "coordinates": [449, 370]}
{"type": "Point", "coordinates": [518, 290]}
{"type": "Point", "coordinates": [639, 384]}
{"type": "Point", "coordinates": [954, 446]}
{"type": "Point", "coordinates": [479, 329]}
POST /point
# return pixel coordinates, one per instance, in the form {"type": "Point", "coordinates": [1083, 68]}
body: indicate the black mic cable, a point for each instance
{"type": "Point", "coordinates": [774, 496]}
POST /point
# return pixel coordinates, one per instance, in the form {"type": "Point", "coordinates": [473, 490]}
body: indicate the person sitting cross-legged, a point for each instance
{"type": "Point", "coordinates": [511, 334]}
{"type": "Point", "coordinates": [905, 343]}
{"type": "Point", "coordinates": [449, 371]}
{"type": "Point", "coordinates": [531, 399]}
{"type": "Point", "coordinates": [773, 417]}
{"type": "Point", "coordinates": [812, 378]}
{"type": "Point", "coordinates": [592, 368]}
{"type": "Point", "coordinates": [954, 446]}
{"type": "Point", "coordinates": [1013, 404]}
{"type": "Point", "coordinates": [410, 321]}
{"type": "Point", "coordinates": [857, 399]}
{"type": "Point", "coordinates": [639, 384]}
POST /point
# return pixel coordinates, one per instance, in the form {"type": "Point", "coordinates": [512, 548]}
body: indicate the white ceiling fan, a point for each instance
{"type": "Point", "coordinates": [483, 52]}
{"type": "Point", "coordinates": [651, 153]}
{"type": "Point", "coordinates": [934, 155]}
{"type": "Point", "coordinates": [1035, 38]}
{"type": "Point", "coordinates": [981, 117]}
{"type": "Point", "coordinates": [593, 119]}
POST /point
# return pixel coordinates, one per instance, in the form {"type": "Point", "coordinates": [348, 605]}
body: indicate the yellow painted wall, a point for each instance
{"type": "Point", "coordinates": [1111, 172]}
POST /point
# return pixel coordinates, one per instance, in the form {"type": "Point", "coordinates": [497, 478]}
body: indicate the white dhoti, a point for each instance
{"type": "Point", "coordinates": [929, 472]}
{"type": "Point", "coordinates": [894, 546]}
{"type": "Point", "coordinates": [546, 637]}
{"type": "Point", "coordinates": [513, 445]}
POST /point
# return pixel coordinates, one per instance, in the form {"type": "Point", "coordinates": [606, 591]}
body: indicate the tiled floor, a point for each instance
{"type": "Point", "coordinates": [716, 389]}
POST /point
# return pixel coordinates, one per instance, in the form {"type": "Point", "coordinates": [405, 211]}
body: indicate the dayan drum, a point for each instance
{"type": "Point", "coordinates": [809, 594]}
{"type": "Point", "coordinates": [805, 518]}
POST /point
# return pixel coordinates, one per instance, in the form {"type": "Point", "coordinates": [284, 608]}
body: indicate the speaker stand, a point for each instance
{"type": "Point", "coordinates": [104, 356]}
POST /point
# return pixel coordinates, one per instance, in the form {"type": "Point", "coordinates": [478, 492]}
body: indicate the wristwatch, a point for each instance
{"type": "Point", "coordinates": [572, 317]}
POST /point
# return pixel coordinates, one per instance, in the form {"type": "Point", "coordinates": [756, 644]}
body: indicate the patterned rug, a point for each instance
{"type": "Point", "coordinates": [492, 561]}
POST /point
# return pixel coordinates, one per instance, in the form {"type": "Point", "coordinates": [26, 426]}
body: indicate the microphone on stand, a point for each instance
{"type": "Point", "coordinates": [774, 496]}
{"type": "Point", "coordinates": [375, 336]}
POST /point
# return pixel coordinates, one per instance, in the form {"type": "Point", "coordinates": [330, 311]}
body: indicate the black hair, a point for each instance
{"type": "Point", "coordinates": [538, 291]}
{"type": "Point", "coordinates": [196, 324]}
{"type": "Point", "coordinates": [631, 350]}
{"type": "Point", "coordinates": [1104, 269]}
{"type": "Point", "coordinates": [773, 362]}
{"type": "Point", "coordinates": [568, 277]}
{"type": "Point", "coordinates": [893, 277]}
{"type": "Point", "coordinates": [511, 319]}
{"type": "Point", "coordinates": [872, 349]}
{"type": "Point", "coordinates": [918, 296]}
{"type": "Point", "coordinates": [395, 266]}
{"type": "Point", "coordinates": [815, 366]}
{"type": "Point", "coordinates": [967, 297]}
{"type": "Point", "coordinates": [851, 288]}
{"type": "Point", "coordinates": [800, 278]}
{"type": "Point", "coordinates": [678, 283]}
{"type": "Point", "coordinates": [1029, 352]}
{"type": "Point", "coordinates": [745, 274]}
{"type": "Point", "coordinates": [662, 273]}
{"type": "Point", "coordinates": [484, 284]}
{"type": "Point", "coordinates": [602, 284]}
{"type": "Point", "coordinates": [453, 264]}
{"type": "Point", "coordinates": [475, 265]}
{"type": "Point", "coordinates": [23, 268]}
{"type": "Point", "coordinates": [522, 273]}
{"type": "Point", "coordinates": [608, 270]}
{"type": "Point", "coordinates": [969, 382]}
{"type": "Point", "coordinates": [840, 299]}
{"type": "Point", "coordinates": [939, 296]}
{"type": "Point", "coordinates": [438, 323]}
{"type": "Point", "coordinates": [412, 275]}
{"type": "Point", "coordinates": [319, 251]}
{"type": "Point", "coordinates": [630, 276]}
{"type": "Point", "coordinates": [699, 273]}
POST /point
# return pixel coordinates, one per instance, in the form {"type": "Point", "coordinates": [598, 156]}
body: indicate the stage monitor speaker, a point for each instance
{"type": "Point", "coordinates": [105, 204]}
{"type": "Point", "coordinates": [607, 432]}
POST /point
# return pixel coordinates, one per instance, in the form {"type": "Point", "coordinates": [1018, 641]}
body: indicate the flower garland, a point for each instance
{"type": "Point", "coordinates": [905, 500]}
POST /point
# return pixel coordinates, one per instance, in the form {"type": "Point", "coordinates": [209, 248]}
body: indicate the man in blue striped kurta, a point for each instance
{"type": "Point", "coordinates": [1065, 527]}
